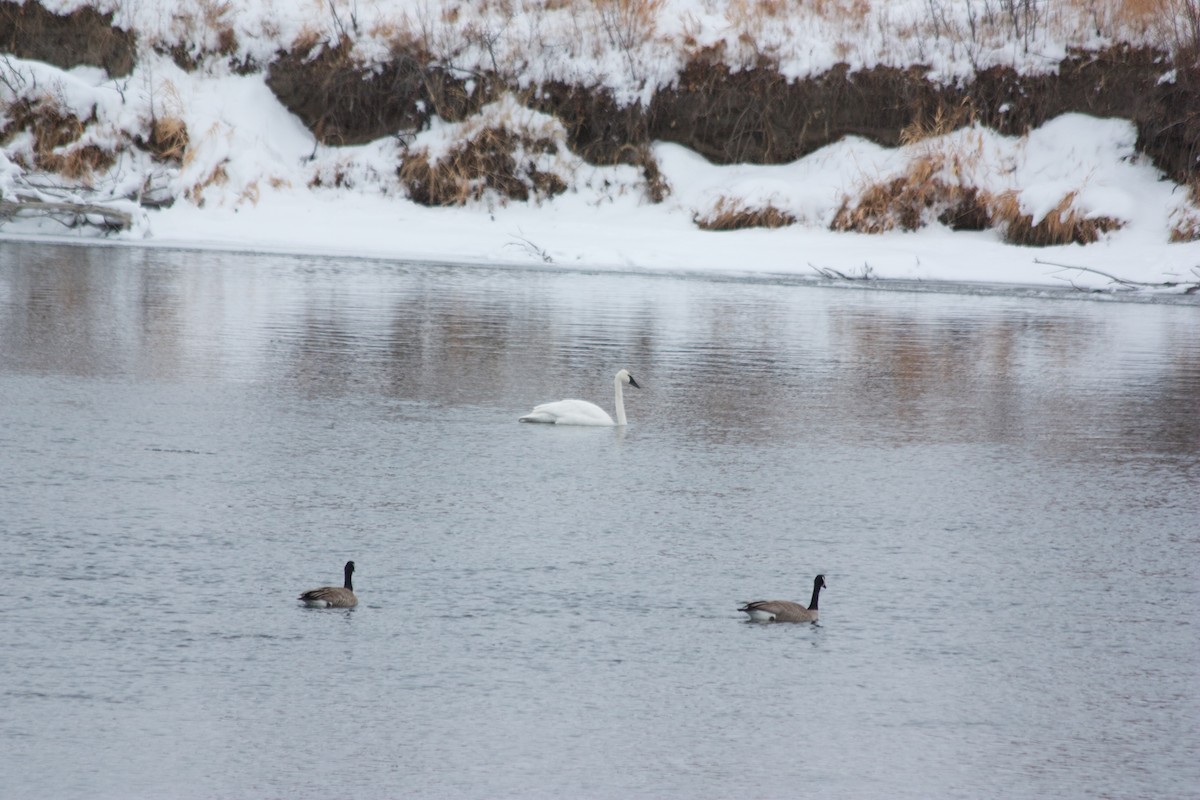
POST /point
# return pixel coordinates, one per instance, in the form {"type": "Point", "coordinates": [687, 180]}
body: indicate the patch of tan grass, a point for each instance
{"type": "Point", "coordinates": [308, 38]}
{"type": "Point", "coordinates": [217, 15]}
{"type": "Point", "coordinates": [51, 125]}
{"type": "Point", "coordinates": [1185, 221]}
{"type": "Point", "coordinates": [1063, 225]}
{"type": "Point", "coordinates": [945, 120]}
{"type": "Point", "coordinates": [199, 29]}
{"type": "Point", "coordinates": [934, 187]}
{"type": "Point", "coordinates": [657, 187]}
{"type": "Point", "coordinates": [217, 177]}
{"type": "Point", "coordinates": [55, 134]}
{"type": "Point", "coordinates": [731, 214]}
{"type": "Point", "coordinates": [487, 161]}
{"type": "Point", "coordinates": [627, 25]}
{"type": "Point", "coordinates": [907, 202]}
{"type": "Point", "coordinates": [168, 139]}
{"type": "Point", "coordinates": [79, 163]}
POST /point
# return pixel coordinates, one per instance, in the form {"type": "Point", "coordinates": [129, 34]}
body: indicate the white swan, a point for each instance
{"type": "Point", "coordinates": [581, 412]}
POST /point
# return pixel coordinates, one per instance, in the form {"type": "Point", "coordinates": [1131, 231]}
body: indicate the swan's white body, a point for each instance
{"type": "Point", "coordinates": [583, 412]}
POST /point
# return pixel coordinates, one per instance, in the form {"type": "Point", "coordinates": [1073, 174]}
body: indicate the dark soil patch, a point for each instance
{"type": "Point", "coordinates": [344, 102]}
{"type": "Point", "coordinates": [758, 116]}
{"type": "Point", "coordinates": [83, 37]}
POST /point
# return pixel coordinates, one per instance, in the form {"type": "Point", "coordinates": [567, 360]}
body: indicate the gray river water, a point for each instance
{"type": "Point", "coordinates": [1003, 493]}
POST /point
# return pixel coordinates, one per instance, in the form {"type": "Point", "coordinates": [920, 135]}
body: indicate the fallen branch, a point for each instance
{"type": "Point", "coordinates": [76, 213]}
{"type": "Point", "coordinates": [1192, 286]}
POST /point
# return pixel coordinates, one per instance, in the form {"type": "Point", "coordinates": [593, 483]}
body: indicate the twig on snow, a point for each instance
{"type": "Point", "coordinates": [867, 274]}
{"type": "Point", "coordinates": [1192, 286]}
{"type": "Point", "coordinates": [530, 247]}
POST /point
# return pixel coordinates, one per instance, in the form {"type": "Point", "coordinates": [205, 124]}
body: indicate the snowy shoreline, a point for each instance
{"type": "Point", "coordinates": [212, 159]}
{"type": "Point", "coordinates": [1027, 278]}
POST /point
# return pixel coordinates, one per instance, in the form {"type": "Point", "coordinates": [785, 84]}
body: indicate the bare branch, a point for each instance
{"type": "Point", "coordinates": [1192, 286]}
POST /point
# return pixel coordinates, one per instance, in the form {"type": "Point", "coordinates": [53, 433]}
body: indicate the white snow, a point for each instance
{"type": "Point", "coordinates": [254, 178]}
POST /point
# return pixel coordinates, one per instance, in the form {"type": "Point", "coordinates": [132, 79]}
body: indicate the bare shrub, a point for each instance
{"type": "Point", "coordinates": [731, 214]}
{"type": "Point", "coordinates": [1180, 20]}
{"type": "Point", "coordinates": [628, 24]}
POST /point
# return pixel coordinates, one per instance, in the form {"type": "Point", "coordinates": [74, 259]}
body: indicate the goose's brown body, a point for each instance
{"type": "Point", "coordinates": [333, 596]}
{"type": "Point", "coordinates": [786, 610]}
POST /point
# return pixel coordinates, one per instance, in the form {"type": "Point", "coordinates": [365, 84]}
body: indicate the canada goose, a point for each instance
{"type": "Point", "coordinates": [333, 596]}
{"type": "Point", "coordinates": [583, 412]}
{"type": "Point", "coordinates": [785, 610]}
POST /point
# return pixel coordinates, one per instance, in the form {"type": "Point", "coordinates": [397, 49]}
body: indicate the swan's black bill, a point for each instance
{"type": "Point", "coordinates": [633, 383]}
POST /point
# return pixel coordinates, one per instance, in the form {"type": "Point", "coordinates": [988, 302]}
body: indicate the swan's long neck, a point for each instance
{"type": "Point", "coordinates": [816, 594]}
{"type": "Point", "coordinates": [620, 398]}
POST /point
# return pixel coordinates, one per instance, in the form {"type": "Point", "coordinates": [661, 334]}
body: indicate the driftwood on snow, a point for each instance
{"type": "Point", "coordinates": [69, 214]}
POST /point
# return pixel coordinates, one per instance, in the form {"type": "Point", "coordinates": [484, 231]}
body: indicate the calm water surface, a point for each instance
{"type": "Point", "coordinates": [1003, 493]}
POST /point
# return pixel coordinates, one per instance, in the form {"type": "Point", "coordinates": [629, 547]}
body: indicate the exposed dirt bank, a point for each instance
{"type": "Point", "coordinates": [83, 37]}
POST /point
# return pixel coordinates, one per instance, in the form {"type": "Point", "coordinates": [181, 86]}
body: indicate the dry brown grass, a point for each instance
{"type": "Point", "coordinates": [79, 163]}
{"type": "Point", "coordinates": [908, 202]}
{"type": "Point", "coordinates": [54, 130]}
{"type": "Point", "coordinates": [927, 191]}
{"type": "Point", "coordinates": [201, 29]}
{"type": "Point", "coordinates": [628, 23]}
{"type": "Point", "coordinates": [168, 139]}
{"type": "Point", "coordinates": [308, 38]}
{"type": "Point", "coordinates": [217, 177]}
{"type": "Point", "coordinates": [1178, 21]}
{"type": "Point", "coordinates": [1185, 222]}
{"type": "Point", "coordinates": [218, 16]}
{"type": "Point", "coordinates": [1063, 225]}
{"type": "Point", "coordinates": [730, 214]}
{"type": "Point", "coordinates": [944, 120]}
{"type": "Point", "coordinates": [487, 161]}
{"type": "Point", "coordinates": [657, 186]}
{"type": "Point", "coordinates": [853, 11]}
{"type": "Point", "coordinates": [51, 125]}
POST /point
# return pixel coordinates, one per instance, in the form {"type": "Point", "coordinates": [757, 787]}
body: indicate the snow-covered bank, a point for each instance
{"type": "Point", "coordinates": [207, 157]}
{"type": "Point", "coordinates": [623, 234]}
{"type": "Point", "coordinates": [255, 179]}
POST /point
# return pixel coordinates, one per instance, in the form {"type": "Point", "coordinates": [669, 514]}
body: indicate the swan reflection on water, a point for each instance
{"type": "Point", "coordinates": [582, 412]}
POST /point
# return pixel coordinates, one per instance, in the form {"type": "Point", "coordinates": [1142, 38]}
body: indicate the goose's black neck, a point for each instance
{"type": "Point", "coordinates": [349, 572]}
{"type": "Point", "coordinates": [812, 606]}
